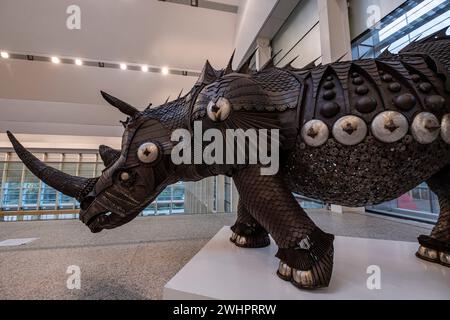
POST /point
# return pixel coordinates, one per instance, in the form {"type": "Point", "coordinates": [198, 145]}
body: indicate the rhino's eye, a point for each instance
{"type": "Point", "coordinates": [124, 176]}
{"type": "Point", "coordinates": [148, 152]}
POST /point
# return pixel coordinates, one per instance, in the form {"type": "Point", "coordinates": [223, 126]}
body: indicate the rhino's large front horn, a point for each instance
{"type": "Point", "coordinates": [76, 187]}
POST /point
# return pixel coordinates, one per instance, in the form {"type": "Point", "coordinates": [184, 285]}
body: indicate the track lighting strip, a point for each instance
{"type": "Point", "coordinates": [101, 64]}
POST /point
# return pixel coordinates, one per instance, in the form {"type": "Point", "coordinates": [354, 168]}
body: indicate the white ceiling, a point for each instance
{"type": "Point", "coordinates": [140, 31]}
{"type": "Point", "coordinates": [40, 99]}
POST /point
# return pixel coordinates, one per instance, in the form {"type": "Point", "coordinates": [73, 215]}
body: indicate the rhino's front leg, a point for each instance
{"type": "Point", "coordinates": [247, 232]}
{"type": "Point", "coordinates": [305, 251]}
{"type": "Point", "coordinates": [436, 246]}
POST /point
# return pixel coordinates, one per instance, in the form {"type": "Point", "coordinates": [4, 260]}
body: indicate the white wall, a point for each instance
{"type": "Point", "coordinates": [252, 15]}
{"type": "Point", "coordinates": [306, 15]}
{"type": "Point", "coordinates": [360, 13]}
{"type": "Point", "coordinates": [301, 20]}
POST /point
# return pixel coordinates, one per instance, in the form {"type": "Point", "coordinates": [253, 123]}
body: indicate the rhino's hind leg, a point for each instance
{"type": "Point", "coordinates": [247, 232]}
{"type": "Point", "coordinates": [436, 247]}
{"type": "Point", "coordinates": [305, 251]}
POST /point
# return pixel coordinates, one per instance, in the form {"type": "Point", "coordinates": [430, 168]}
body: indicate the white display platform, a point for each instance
{"type": "Point", "coordinates": [223, 271]}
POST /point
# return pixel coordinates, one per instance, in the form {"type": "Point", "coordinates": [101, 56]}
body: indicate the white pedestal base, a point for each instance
{"type": "Point", "coordinates": [223, 271]}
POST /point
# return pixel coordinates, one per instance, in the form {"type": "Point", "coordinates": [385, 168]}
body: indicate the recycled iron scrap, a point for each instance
{"type": "Point", "coordinates": [352, 133]}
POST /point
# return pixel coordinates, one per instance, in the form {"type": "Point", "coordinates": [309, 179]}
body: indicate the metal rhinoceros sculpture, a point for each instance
{"type": "Point", "coordinates": [352, 133]}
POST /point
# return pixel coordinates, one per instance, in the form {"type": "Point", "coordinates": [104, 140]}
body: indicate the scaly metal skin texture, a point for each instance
{"type": "Point", "coordinates": [351, 133]}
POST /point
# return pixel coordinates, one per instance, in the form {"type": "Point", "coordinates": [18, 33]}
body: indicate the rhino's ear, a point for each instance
{"type": "Point", "coordinates": [108, 155]}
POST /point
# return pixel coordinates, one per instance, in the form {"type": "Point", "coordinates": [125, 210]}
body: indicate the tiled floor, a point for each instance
{"type": "Point", "coordinates": [136, 260]}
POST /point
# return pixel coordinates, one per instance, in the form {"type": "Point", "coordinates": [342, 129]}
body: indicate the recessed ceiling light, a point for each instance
{"type": "Point", "coordinates": [123, 66]}
{"type": "Point", "coordinates": [4, 54]}
{"type": "Point", "coordinates": [144, 68]}
{"type": "Point", "coordinates": [165, 71]}
{"type": "Point", "coordinates": [78, 62]}
{"type": "Point", "coordinates": [55, 60]}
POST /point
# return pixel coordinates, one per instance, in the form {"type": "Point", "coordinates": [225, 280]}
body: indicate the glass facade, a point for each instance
{"type": "Point", "coordinates": [411, 21]}
{"type": "Point", "coordinates": [418, 204]}
{"type": "Point", "coordinates": [24, 197]}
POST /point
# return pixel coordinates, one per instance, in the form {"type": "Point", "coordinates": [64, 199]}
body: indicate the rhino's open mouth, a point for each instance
{"type": "Point", "coordinates": [94, 217]}
{"type": "Point", "coordinates": [95, 222]}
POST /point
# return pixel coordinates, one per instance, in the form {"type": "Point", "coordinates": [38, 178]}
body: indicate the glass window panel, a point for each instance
{"type": "Point", "coordinates": [10, 218]}
{"type": "Point", "coordinates": [434, 25]}
{"type": "Point", "coordinates": [11, 185]}
{"type": "Point", "coordinates": [87, 157]}
{"type": "Point", "coordinates": [227, 196]}
{"type": "Point", "coordinates": [86, 170]}
{"type": "Point", "coordinates": [2, 165]}
{"type": "Point", "coordinates": [178, 192]}
{"type": "Point", "coordinates": [48, 197]}
{"type": "Point", "coordinates": [100, 168]}
{"type": "Point", "coordinates": [53, 157]}
{"type": "Point", "coordinates": [65, 202]}
{"type": "Point", "coordinates": [166, 195]}
{"type": "Point", "coordinates": [396, 26]}
{"type": "Point", "coordinates": [13, 157]}
{"type": "Point", "coordinates": [35, 195]}
{"type": "Point", "coordinates": [10, 196]}
{"type": "Point", "coordinates": [70, 168]}
{"type": "Point", "coordinates": [14, 172]}
{"type": "Point", "coordinates": [399, 44]}
{"type": "Point", "coordinates": [150, 210]}
{"type": "Point", "coordinates": [422, 9]}
{"type": "Point", "coordinates": [177, 207]}
{"type": "Point", "coordinates": [71, 157]}
{"type": "Point", "coordinates": [163, 207]}
{"type": "Point", "coordinates": [30, 191]}
{"type": "Point", "coordinates": [417, 199]}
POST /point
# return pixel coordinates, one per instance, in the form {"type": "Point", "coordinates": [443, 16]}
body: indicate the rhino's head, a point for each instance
{"type": "Point", "coordinates": [133, 177]}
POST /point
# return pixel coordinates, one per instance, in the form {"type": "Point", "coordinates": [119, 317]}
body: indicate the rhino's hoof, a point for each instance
{"type": "Point", "coordinates": [428, 254]}
{"type": "Point", "coordinates": [310, 264]}
{"type": "Point", "coordinates": [444, 257]}
{"type": "Point", "coordinates": [433, 255]}
{"type": "Point", "coordinates": [304, 279]}
{"type": "Point", "coordinates": [434, 250]}
{"type": "Point", "coordinates": [251, 241]}
{"type": "Point", "coordinates": [284, 271]}
{"type": "Point", "coordinates": [299, 278]}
